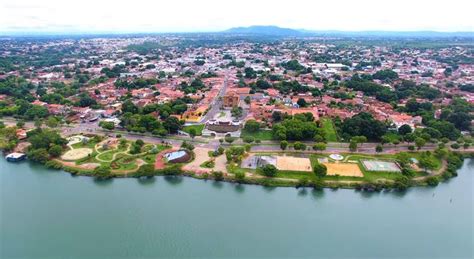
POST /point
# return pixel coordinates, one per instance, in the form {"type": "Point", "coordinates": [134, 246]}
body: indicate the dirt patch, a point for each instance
{"type": "Point", "coordinates": [201, 155]}
{"type": "Point", "coordinates": [86, 166]}
{"type": "Point", "coordinates": [220, 164]}
{"type": "Point", "coordinates": [76, 154]}
{"type": "Point", "coordinates": [160, 160]}
{"type": "Point", "coordinates": [289, 163]}
{"type": "Point", "coordinates": [344, 169]}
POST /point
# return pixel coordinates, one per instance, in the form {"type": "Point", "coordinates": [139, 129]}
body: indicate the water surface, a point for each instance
{"type": "Point", "coordinates": [45, 213]}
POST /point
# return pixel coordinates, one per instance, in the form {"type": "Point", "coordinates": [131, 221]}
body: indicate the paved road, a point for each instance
{"type": "Point", "coordinates": [217, 103]}
{"type": "Point", "coordinates": [212, 143]}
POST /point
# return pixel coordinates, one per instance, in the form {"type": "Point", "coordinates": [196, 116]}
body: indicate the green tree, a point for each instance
{"type": "Point", "coordinates": [353, 146]}
{"type": "Point", "coordinates": [102, 171]}
{"type": "Point", "coordinates": [38, 155]}
{"type": "Point", "coordinates": [55, 150]}
{"type": "Point", "coordinates": [404, 129]}
{"type": "Point", "coordinates": [240, 176]}
{"type": "Point", "coordinates": [420, 142]}
{"type": "Point", "coordinates": [302, 103]}
{"type": "Point", "coordinates": [299, 146]}
{"type": "Point", "coordinates": [147, 170]}
{"type": "Point", "coordinates": [378, 148]}
{"type": "Point", "coordinates": [218, 175]}
{"type": "Point", "coordinates": [252, 126]}
{"type": "Point", "coordinates": [52, 122]}
{"type": "Point", "coordinates": [283, 144]}
{"type": "Point", "coordinates": [319, 146]}
{"type": "Point", "coordinates": [268, 170]}
{"type": "Point", "coordinates": [320, 170]}
{"type": "Point", "coordinates": [192, 132]}
{"type": "Point", "coordinates": [20, 124]}
{"type": "Point", "coordinates": [108, 125]}
{"type": "Point", "coordinates": [247, 100]}
{"type": "Point", "coordinates": [427, 162]}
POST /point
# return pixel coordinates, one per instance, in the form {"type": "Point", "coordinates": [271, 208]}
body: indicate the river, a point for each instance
{"type": "Point", "coordinates": [45, 213]}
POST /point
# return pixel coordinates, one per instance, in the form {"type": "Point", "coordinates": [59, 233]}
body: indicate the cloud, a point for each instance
{"type": "Point", "coordinates": [212, 15]}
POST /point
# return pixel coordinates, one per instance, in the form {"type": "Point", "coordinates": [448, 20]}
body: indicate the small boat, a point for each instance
{"type": "Point", "coordinates": [15, 157]}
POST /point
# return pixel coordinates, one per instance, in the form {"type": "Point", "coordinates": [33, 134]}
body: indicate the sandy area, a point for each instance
{"type": "Point", "coordinates": [76, 154]}
{"type": "Point", "coordinates": [201, 155]}
{"type": "Point", "coordinates": [344, 169]}
{"type": "Point", "coordinates": [221, 164]}
{"type": "Point", "coordinates": [87, 166]}
{"type": "Point", "coordinates": [288, 163]}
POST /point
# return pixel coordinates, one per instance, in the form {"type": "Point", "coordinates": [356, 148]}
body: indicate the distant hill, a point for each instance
{"type": "Point", "coordinates": [395, 34]}
{"type": "Point", "coordinates": [264, 30]}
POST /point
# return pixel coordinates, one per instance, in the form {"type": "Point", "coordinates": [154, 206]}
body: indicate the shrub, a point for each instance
{"type": "Point", "coordinates": [229, 139]}
{"type": "Point", "coordinates": [303, 182]}
{"type": "Point", "coordinates": [318, 184]}
{"type": "Point", "coordinates": [55, 150]}
{"type": "Point", "coordinates": [432, 181]}
{"type": "Point", "coordinates": [408, 172]}
{"type": "Point", "coordinates": [401, 183]}
{"type": "Point", "coordinates": [248, 139]}
{"type": "Point", "coordinates": [378, 148]}
{"type": "Point", "coordinates": [247, 147]}
{"type": "Point", "coordinates": [268, 170]}
{"type": "Point", "coordinates": [455, 146]}
{"type": "Point", "coordinates": [319, 146]}
{"type": "Point", "coordinates": [320, 170]}
{"type": "Point", "coordinates": [218, 175]}
{"type": "Point", "coordinates": [240, 176]}
{"type": "Point", "coordinates": [187, 146]}
{"type": "Point", "coordinates": [53, 165]}
{"type": "Point", "coordinates": [411, 147]}
{"type": "Point", "coordinates": [208, 164]}
{"type": "Point", "coordinates": [102, 170]}
{"type": "Point", "coordinates": [299, 146]}
{"type": "Point", "coordinates": [38, 155]}
{"type": "Point", "coordinates": [147, 170]}
{"type": "Point", "coordinates": [172, 170]}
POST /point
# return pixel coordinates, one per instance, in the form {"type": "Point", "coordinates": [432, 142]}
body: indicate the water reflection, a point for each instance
{"type": "Point", "coordinates": [268, 188]}
{"type": "Point", "coordinates": [302, 192]}
{"type": "Point", "coordinates": [398, 193]}
{"type": "Point", "coordinates": [173, 180]}
{"type": "Point", "coordinates": [317, 193]}
{"type": "Point", "coordinates": [217, 184]}
{"type": "Point", "coordinates": [239, 188]}
{"type": "Point", "coordinates": [146, 181]}
{"type": "Point", "coordinates": [102, 182]}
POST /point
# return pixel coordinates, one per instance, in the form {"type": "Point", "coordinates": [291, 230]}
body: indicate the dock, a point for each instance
{"type": "Point", "coordinates": [15, 157]}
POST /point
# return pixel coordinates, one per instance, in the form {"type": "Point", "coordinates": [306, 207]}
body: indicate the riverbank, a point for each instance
{"type": "Point", "coordinates": [446, 171]}
{"type": "Point", "coordinates": [105, 157]}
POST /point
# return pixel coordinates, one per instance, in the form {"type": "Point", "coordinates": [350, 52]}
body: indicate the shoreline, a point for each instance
{"type": "Point", "coordinates": [442, 174]}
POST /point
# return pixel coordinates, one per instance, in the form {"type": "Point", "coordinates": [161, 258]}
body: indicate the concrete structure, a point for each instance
{"type": "Point", "coordinates": [230, 100]}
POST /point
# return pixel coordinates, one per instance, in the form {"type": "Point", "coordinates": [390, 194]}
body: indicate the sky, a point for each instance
{"type": "Point", "coordinates": [63, 16]}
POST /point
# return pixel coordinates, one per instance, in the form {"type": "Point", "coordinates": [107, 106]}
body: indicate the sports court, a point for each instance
{"type": "Point", "coordinates": [75, 154]}
{"type": "Point", "coordinates": [289, 163]}
{"type": "Point", "coordinates": [380, 166]}
{"type": "Point", "coordinates": [344, 169]}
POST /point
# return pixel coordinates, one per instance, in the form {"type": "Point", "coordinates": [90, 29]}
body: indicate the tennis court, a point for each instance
{"type": "Point", "coordinates": [380, 166]}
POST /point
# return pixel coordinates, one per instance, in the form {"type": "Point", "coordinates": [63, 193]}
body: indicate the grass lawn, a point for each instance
{"type": "Point", "coordinates": [90, 144]}
{"type": "Point", "coordinates": [198, 128]}
{"type": "Point", "coordinates": [328, 127]}
{"type": "Point", "coordinates": [260, 135]}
